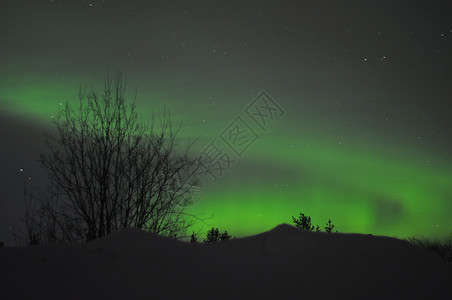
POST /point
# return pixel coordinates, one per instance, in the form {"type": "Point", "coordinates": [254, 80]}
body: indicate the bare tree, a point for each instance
{"type": "Point", "coordinates": [109, 169]}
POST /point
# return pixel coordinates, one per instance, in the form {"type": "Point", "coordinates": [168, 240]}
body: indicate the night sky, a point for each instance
{"type": "Point", "coordinates": [355, 122]}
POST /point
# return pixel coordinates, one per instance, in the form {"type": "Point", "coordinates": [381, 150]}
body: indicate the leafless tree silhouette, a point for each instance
{"type": "Point", "coordinates": [109, 169]}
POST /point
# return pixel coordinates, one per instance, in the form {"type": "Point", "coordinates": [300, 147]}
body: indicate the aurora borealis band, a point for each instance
{"type": "Point", "coordinates": [365, 136]}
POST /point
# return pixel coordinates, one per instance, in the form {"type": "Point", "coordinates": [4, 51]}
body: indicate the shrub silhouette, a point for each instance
{"type": "Point", "coordinates": [225, 236]}
{"type": "Point", "coordinates": [441, 247]}
{"type": "Point", "coordinates": [193, 238]}
{"type": "Point", "coordinates": [303, 222]}
{"type": "Point", "coordinates": [329, 226]}
{"type": "Point", "coordinates": [214, 235]}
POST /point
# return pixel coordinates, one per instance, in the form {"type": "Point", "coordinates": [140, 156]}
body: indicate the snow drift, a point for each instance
{"type": "Point", "coordinates": [281, 263]}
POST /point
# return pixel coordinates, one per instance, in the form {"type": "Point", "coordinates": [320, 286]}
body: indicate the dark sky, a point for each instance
{"type": "Point", "coordinates": [362, 135]}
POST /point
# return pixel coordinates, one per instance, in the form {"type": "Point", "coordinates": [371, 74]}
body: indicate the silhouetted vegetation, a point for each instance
{"type": "Point", "coordinates": [225, 236]}
{"type": "Point", "coordinates": [304, 223]}
{"type": "Point", "coordinates": [441, 247]}
{"type": "Point", "coordinates": [329, 226]}
{"type": "Point", "coordinates": [193, 238]}
{"type": "Point", "coordinates": [109, 169]}
{"type": "Point", "coordinates": [214, 235]}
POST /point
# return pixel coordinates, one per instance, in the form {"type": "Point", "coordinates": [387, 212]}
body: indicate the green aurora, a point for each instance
{"type": "Point", "coordinates": [360, 184]}
{"type": "Point", "coordinates": [365, 136]}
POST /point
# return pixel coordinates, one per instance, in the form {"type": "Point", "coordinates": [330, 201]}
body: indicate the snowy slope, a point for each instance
{"type": "Point", "coordinates": [282, 263]}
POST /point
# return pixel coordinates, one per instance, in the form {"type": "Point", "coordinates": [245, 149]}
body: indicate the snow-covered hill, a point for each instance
{"type": "Point", "coordinates": [283, 263]}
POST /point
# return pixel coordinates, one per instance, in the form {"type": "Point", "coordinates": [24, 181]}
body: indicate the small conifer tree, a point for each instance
{"type": "Point", "coordinates": [213, 235]}
{"type": "Point", "coordinates": [303, 222]}
{"type": "Point", "coordinates": [329, 226]}
{"type": "Point", "coordinates": [193, 238]}
{"type": "Point", "coordinates": [225, 236]}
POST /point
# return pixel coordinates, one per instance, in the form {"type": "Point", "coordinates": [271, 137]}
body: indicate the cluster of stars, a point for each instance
{"type": "Point", "coordinates": [382, 58]}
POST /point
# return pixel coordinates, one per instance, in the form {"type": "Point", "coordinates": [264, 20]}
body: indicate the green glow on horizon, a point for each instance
{"type": "Point", "coordinates": [40, 100]}
{"type": "Point", "coordinates": [361, 192]}
{"type": "Point", "coordinates": [366, 190]}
